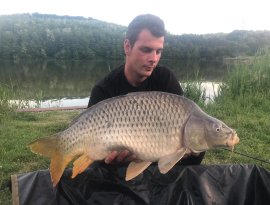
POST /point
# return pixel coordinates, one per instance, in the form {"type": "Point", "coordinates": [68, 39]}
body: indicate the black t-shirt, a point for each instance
{"type": "Point", "coordinates": [115, 84]}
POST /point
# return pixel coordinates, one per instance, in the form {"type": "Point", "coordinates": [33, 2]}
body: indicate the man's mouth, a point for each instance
{"type": "Point", "coordinates": [149, 67]}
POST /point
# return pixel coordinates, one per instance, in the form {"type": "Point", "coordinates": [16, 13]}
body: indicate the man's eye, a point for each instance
{"type": "Point", "coordinates": [159, 52]}
{"type": "Point", "coordinates": [146, 50]}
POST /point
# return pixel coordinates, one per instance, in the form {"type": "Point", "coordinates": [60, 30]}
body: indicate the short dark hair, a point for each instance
{"type": "Point", "coordinates": [145, 21]}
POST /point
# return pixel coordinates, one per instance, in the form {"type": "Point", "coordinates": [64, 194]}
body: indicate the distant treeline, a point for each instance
{"type": "Point", "coordinates": [42, 36]}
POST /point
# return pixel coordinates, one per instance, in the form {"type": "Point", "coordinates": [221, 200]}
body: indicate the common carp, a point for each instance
{"type": "Point", "coordinates": [155, 126]}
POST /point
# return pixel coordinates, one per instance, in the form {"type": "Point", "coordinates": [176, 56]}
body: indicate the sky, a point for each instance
{"type": "Point", "coordinates": [180, 16]}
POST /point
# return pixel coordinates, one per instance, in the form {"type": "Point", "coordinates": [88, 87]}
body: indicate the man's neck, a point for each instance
{"type": "Point", "coordinates": [133, 78]}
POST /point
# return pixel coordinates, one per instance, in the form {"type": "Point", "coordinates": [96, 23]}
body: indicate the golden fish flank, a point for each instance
{"type": "Point", "coordinates": [155, 126]}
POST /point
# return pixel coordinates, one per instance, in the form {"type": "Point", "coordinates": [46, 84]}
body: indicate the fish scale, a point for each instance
{"type": "Point", "coordinates": [134, 124]}
{"type": "Point", "coordinates": [155, 126]}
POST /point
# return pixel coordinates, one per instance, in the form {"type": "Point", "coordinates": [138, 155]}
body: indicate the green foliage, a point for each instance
{"type": "Point", "coordinates": [193, 90]}
{"type": "Point", "coordinates": [243, 102]}
{"type": "Point", "coordinates": [50, 36]}
{"type": "Point", "coordinates": [249, 81]}
{"type": "Point", "coordinates": [7, 102]}
{"type": "Point", "coordinates": [10, 100]}
{"type": "Point", "coordinates": [63, 37]}
{"type": "Point", "coordinates": [5, 108]}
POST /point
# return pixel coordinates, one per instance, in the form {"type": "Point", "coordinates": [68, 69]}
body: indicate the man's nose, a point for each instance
{"type": "Point", "coordinates": [154, 56]}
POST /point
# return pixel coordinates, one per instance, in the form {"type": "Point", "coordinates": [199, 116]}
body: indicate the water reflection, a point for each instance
{"type": "Point", "coordinates": [53, 79]}
{"type": "Point", "coordinates": [64, 102]}
{"type": "Point", "coordinates": [211, 90]}
{"type": "Point", "coordinates": [68, 83]}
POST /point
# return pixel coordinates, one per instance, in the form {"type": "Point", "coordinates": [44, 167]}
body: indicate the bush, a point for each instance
{"type": "Point", "coordinates": [10, 100]}
{"type": "Point", "coordinates": [253, 80]}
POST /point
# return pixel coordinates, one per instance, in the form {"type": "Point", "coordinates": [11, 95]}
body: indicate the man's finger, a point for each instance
{"type": "Point", "coordinates": [111, 157]}
{"type": "Point", "coordinates": [131, 158]}
{"type": "Point", "coordinates": [122, 155]}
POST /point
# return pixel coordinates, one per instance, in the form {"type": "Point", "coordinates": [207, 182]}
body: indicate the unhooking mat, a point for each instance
{"type": "Point", "coordinates": [190, 185]}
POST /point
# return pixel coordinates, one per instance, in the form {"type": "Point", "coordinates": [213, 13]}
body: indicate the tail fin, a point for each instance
{"type": "Point", "coordinates": [49, 147]}
{"type": "Point", "coordinates": [45, 146]}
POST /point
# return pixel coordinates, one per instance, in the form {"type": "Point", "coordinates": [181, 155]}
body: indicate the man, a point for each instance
{"type": "Point", "coordinates": [143, 47]}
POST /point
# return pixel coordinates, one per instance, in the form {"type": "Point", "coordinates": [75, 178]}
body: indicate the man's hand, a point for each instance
{"type": "Point", "coordinates": [116, 157]}
{"type": "Point", "coordinates": [119, 157]}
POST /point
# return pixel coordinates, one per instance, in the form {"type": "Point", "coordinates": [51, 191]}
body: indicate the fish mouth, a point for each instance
{"type": "Point", "coordinates": [233, 140]}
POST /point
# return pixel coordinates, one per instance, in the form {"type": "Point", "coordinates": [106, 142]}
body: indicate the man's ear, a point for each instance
{"type": "Point", "coordinates": [127, 47]}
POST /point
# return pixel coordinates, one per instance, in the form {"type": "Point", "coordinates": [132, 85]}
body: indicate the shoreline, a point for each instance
{"type": "Point", "coordinates": [52, 109]}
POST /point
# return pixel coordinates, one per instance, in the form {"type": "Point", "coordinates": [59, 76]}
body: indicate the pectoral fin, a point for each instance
{"type": "Point", "coordinates": [135, 168]}
{"type": "Point", "coordinates": [80, 164]}
{"type": "Point", "coordinates": [167, 162]}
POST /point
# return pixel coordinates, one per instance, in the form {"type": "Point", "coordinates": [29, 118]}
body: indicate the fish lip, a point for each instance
{"type": "Point", "coordinates": [233, 140]}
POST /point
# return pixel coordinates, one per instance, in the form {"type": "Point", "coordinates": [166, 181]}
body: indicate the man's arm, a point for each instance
{"type": "Point", "coordinates": [167, 81]}
{"type": "Point", "coordinates": [97, 95]}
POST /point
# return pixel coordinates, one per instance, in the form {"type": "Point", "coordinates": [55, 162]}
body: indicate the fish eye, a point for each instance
{"type": "Point", "coordinates": [218, 129]}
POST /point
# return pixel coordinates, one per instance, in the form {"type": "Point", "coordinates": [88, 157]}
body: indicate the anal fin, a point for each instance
{"type": "Point", "coordinates": [135, 168]}
{"type": "Point", "coordinates": [58, 165]}
{"type": "Point", "coordinates": [80, 164]}
{"type": "Point", "coordinates": [167, 162]}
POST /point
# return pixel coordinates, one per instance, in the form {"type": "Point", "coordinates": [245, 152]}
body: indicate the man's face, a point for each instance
{"type": "Point", "coordinates": [145, 54]}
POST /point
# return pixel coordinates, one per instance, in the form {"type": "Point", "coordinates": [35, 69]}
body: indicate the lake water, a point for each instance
{"type": "Point", "coordinates": [69, 83]}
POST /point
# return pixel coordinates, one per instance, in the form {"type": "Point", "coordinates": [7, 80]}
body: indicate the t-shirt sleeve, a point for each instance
{"type": "Point", "coordinates": [170, 83]}
{"type": "Point", "coordinates": [97, 95]}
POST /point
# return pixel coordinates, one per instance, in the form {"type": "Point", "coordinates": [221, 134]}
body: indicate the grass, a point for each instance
{"type": "Point", "coordinates": [5, 108]}
{"type": "Point", "coordinates": [15, 134]}
{"type": "Point", "coordinates": [253, 129]}
{"type": "Point", "coordinates": [194, 90]}
{"type": "Point", "coordinates": [243, 104]}
{"type": "Point", "coordinates": [7, 94]}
